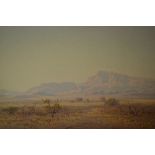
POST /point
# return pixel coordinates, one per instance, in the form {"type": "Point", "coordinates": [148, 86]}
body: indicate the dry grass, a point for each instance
{"type": "Point", "coordinates": [79, 114]}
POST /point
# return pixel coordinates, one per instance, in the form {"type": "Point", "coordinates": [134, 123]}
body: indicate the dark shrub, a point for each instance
{"type": "Point", "coordinates": [46, 101]}
{"type": "Point", "coordinates": [133, 110]}
{"type": "Point", "coordinates": [10, 110]}
{"type": "Point", "coordinates": [79, 99]}
{"type": "Point", "coordinates": [103, 99]}
{"type": "Point", "coordinates": [87, 100]}
{"type": "Point", "coordinates": [112, 102]}
{"type": "Point", "coordinates": [53, 109]}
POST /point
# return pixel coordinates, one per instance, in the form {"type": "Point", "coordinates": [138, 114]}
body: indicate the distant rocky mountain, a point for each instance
{"type": "Point", "coordinates": [51, 89]}
{"type": "Point", "coordinates": [103, 83]}
{"type": "Point", "coordinates": [110, 83]}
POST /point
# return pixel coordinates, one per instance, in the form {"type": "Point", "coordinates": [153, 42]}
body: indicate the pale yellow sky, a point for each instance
{"type": "Point", "coordinates": [30, 56]}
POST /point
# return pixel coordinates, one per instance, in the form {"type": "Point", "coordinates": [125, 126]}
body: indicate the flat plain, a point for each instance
{"type": "Point", "coordinates": [78, 114]}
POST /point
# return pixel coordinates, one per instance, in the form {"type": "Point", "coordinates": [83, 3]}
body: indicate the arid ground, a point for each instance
{"type": "Point", "coordinates": [78, 114]}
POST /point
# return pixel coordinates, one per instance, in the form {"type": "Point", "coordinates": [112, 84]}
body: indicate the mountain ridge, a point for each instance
{"type": "Point", "coordinates": [102, 83]}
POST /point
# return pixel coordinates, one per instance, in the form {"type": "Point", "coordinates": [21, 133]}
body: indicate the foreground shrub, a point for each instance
{"type": "Point", "coordinates": [133, 110]}
{"type": "Point", "coordinates": [112, 102]}
{"type": "Point", "coordinates": [53, 109]}
{"type": "Point", "coordinates": [79, 99]}
{"type": "Point", "coordinates": [87, 100]}
{"type": "Point", "coordinates": [103, 99]}
{"type": "Point", "coordinates": [46, 101]}
{"type": "Point", "coordinates": [10, 110]}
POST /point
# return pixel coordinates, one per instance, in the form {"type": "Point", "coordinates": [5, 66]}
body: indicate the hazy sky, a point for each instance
{"type": "Point", "coordinates": [30, 56]}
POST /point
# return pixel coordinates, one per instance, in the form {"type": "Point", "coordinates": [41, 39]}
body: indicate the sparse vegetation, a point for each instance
{"type": "Point", "coordinates": [65, 114]}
